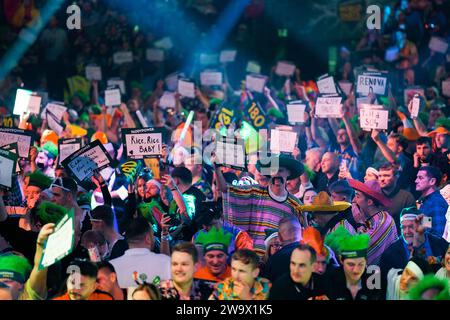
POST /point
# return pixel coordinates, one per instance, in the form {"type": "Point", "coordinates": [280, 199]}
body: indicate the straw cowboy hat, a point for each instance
{"type": "Point", "coordinates": [323, 203]}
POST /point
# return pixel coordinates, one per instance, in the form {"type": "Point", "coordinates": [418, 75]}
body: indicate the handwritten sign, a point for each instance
{"type": "Point", "coordinates": [155, 55]}
{"type": "Point", "coordinates": [24, 139]}
{"type": "Point", "coordinates": [66, 147]}
{"type": "Point", "coordinates": [167, 100]}
{"type": "Point", "coordinates": [8, 163]}
{"type": "Point", "coordinates": [257, 116]}
{"type": "Point", "coordinates": [285, 69]}
{"type": "Point", "coordinates": [253, 67]}
{"type": "Point", "coordinates": [93, 73]}
{"type": "Point", "coordinates": [255, 82]}
{"type": "Point", "coordinates": [26, 101]}
{"type": "Point", "coordinates": [283, 141]}
{"type": "Point", "coordinates": [438, 44]}
{"type": "Point", "coordinates": [227, 56]}
{"type": "Point", "coordinates": [230, 152]}
{"type": "Point", "coordinates": [373, 117]}
{"type": "Point", "coordinates": [296, 112]}
{"type": "Point", "coordinates": [328, 107]}
{"type": "Point", "coordinates": [211, 78]}
{"type": "Point", "coordinates": [186, 88]}
{"type": "Point", "coordinates": [123, 57]}
{"type": "Point", "coordinates": [112, 97]}
{"type": "Point", "coordinates": [56, 109]}
{"type": "Point", "coordinates": [142, 143]}
{"type": "Point", "coordinates": [60, 243]}
{"type": "Point", "coordinates": [83, 162]}
{"type": "Point", "coordinates": [326, 85]}
{"type": "Point", "coordinates": [117, 82]}
{"type": "Point", "coordinates": [367, 83]}
{"type": "Point", "coordinates": [446, 88]}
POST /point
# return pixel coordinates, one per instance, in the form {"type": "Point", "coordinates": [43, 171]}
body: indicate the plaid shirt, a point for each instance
{"type": "Point", "coordinates": [225, 290]}
{"type": "Point", "coordinates": [435, 206]}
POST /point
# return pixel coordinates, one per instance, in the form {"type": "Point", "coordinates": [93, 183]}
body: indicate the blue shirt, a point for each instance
{"type": "Point", "coordinates": [435, 206]}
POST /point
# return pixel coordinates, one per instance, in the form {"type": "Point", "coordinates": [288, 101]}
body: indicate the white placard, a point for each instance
{"type": "Point", "coordinates": [446, 88]}
{"type": "Point", "coordinates": [186, 88]}
{"type": "Point", "coordinates": [117, 83]}
{"type": "Point", "coordinates": [230, 154]}
{"type": "Point", "coordinates": [255, 82]}
{"type": "Point", "coordinates": [346, 86]}
{"type": "Point", "coordinates": [94, 73]}
{"type": "Point", "coordinates": [56, 109]}
{"type": "Point", "coordinates": [123, 57]}
{"type": "Point", "coordinates": [328, 107]}
{"type": "Point", "coordinates": [167, 100]}
{"type": "Point", "coordinates": [209, 59]}
{"type": "Point", "coordinates": [282, 141]}
{"type": "Point", "coordinates": [296, 112]}
{"type": "Point", "coordinates": [285, 69]}
{"type": "Point", "coordinates": [326, 85]}
{"type": "Point", "coordinates": [142, 143]}
{"type": "Point", "coordinates": [112, 97]}
{"type": "Point", "coordinates": [415, 107]}
{"type": "Point", "coordinates": [391, 54]}
{"type": "Point", "coordinates": [370, 83]}
{"type": "Point", "coordinates": [438, 45]}
{"type": "Point", "coordinates": [253, 67]}
{"type": "Point", "coordinates": [155, 55]}
{"type": "Point", "coordinates": [60, 243]}
{"type": "Point", "coordinates": [66, 149]}
{"type": "Point", "coordinates": [211, 78]}
{"type": "Point", "coordinates": [165, 43]}
{"type": "Point", "coordinates": [34, 105]}
{"type": "Point", "coordinates": [361, 101]}
{"type": "Point", "coordinates": [22, 137]}
{"type": "Point", "coordinates": [227, 56]}
{"type": "Point", "coordinates": [373, 117]}
{"type": "Point", "coordinates": [54, 124]}
{"type": "Point", "coordinates": [6, 172]}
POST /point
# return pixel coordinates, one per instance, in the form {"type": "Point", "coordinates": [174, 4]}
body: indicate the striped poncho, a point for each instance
{"type": "Point", "coordinates": [252, 209]}
{"type": "Point", "coordinates": [383, 232]}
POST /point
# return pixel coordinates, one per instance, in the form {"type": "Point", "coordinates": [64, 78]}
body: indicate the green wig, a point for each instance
{"type": "Point", "coordinates": [443, 122]}
{"type": "Point", "coordinates": [40, 180]}
{"type": "Point", "coordinates": [51, 149]}
{"type": "Point", "coordinates": [348, 245]}
{"type": "Point", "coordinates": [275, 113]}
{"type": "Point", "coordinates": [430, 282]}
{"type": "Point", "coordinates": [214, 239]}
{"type": "Point", "coordinates": [49, 212]}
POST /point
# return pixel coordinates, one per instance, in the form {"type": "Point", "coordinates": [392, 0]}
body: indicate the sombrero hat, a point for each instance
{"type": "Point", "coordinates": [295, 167]}
{"type": "Point", "coordinates": [323, 203]}
{"type": "Point", "coordinates": [372, 189]}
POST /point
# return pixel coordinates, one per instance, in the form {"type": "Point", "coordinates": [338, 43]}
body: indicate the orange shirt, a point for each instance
{"type": "Point", "coordinates": [94, 296]}
{"type": "Point", "coordinates": [204, 274]}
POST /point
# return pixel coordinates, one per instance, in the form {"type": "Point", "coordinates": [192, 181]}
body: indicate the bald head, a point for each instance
{"type": "Point", "coordinates": [330, 162]}
{"type": "Point", "coordinates": [289, 230]}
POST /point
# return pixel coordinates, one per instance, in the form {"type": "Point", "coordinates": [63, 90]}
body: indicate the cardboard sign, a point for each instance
{"type": "Point", "coordinates": [68, 146]}
{"type": "Point", "coordinates": [8, 163]}
{"type": "Point", "coordinates": [26, 101]}
{"type": "Point", "coordinates": [112, 97]}
{"type": "Point", "coordinates": [285, 68]}
{"type": "Point", "coordinates": [186, 88]}
{"type": "Point", "coordinates": [375, 83]}
{"type": "Point", "coordinates": [230, 153]}
{"type": "Point", "coordinates": [223, 117]}
{"type": "Point", "coordinates": [283, 141]}
{"type": "Point", "coordinates": [373, 117]}
{"type": "Point", "coordinates": [446, 88]}
{"type": "Point", "coordinates": [326, 85]}
{"type": "Point", "coordinates": [14, 149]}
{"type": "Point", "coordinates": [253, 67]}
{"type": "Point", "coordinates": [155, 55]}
{"type": "Point", "coordinates": [83, 162]}
{"type": "Point", "coordinates": [211, 78]}
{"type": "Point", "coordinates": [93, 73]}
{"type": "Point", "coordinates": [24, 139]}
{"type": "Point", "coordinates": [328, 107]}
{"type": "Point", "coordinates": [415, 107]}
{"type": "Point", "coordinates": [346, 86]}
{"type": "Point", "coordinates": [167, 100]}
{"type": "Point", "coordinates": [165, 43]}
{"type": "Point", "coordinates": [438, 44]}
{"type": "Point", "coordinates": [227, 56]}
{"type": "Point", "coordinates": [123, 57]}
{"type": "Point", "coordinates": [255, 82]}
{"type": "Point", "coordinates": [207, 59]}
{"type": "Point", "coordinates": [60, 243]}
{"type": "Point", "coordinates": [116, 82]}
{"type": "Point", "coordinates": [257, 116]}
{"type": "Point", "coordinates": [142, 143]}
{"type": "Point", "coordinates": [296, 112]}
